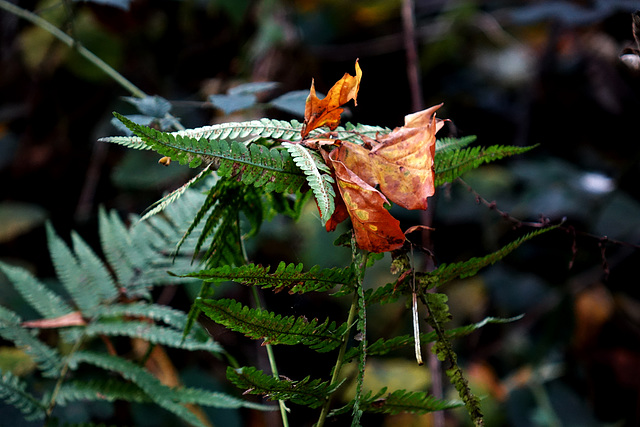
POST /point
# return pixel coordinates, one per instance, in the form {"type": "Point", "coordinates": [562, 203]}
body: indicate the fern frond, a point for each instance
{"type": "Point", "coordinates": [99, 279]}
{"type": "Point", "coordinates": [165, 201]}
{"type": "Point", "coordinates": [45, 357]}
{"type": "Point", "coordinates": [306, 392]}
{"type": "Point", "coordinates": [354, 132]}
{"type": "Point", "coordinates": [446, 272]}
{"type": "Point", "coordinates": [109, 389]}
{"type": "Point", "coordinates": [402, 401]}
{"type": "Point", "coordinates": [45, 301]}
{"type": "Point", "coordinates": [286, 276]}
{"type": "Point", "coordinates": [450, 144]}
{"type": "Point", "coordinates": [273, 328]}
{"type": "Point", "coordinates": [155, 334]}
{"type": "Point", "coordinates": [170, 316]}
{"type": "Point", "coordinates": [384, 346]}
{"type": "Point", "coordinates": [264, 128]}
{"type": "Point", "coordinates": [158, 392]}
{"type": "Point", "coordinates": [12, 391]}
{"type": "Point", "coordinates": [270, 169]}
{"type": "Point", "coordinates": [214, 399]}
{"type": "Point", "coordinates": [318, 177]}
{"type": "Point", "coordinates": [449, 165]}
{"type": "Point", "coordinates": [70, 273]}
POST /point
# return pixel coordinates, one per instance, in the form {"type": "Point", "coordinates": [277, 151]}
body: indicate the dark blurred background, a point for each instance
{"type": "Point", "coordinates": [510, 72]}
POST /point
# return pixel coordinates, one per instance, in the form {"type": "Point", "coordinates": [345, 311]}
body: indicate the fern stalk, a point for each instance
{"type": "Point", "coordinates": [339, 362]}
{"type": "Point", "coordinates": [445, 352]}
{"type": "Point", "coordinates": [272, 359]}
{"type": "Point", "coordinates": [63, 374]}
{"type": "Point", "coordinates": [272, 363]}
{"type": "Point", "coordinates": [357, 307]}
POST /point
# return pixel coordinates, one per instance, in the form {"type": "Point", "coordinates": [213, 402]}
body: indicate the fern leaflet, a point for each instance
{"type": "Point", "coordinates": [41, 298]}
{"type": "Point", "coordinates": [447, 272]}
{"type": "Point", "coordinates": [286, 276]}
{"type": "Point", "coordinates": [384, 346]}
{"type": "Point", "coordinates": [273, 328]}
{"type": "Point", "coordinates": [400, 401]}
{"type": "Point", "coordinates": [269, 169]}
{"type": "Point", "coordinates": [450, 144]}
{"type": "Point", "coordinates": [318, 177]}
{"type": "Point", "coordinates": [71, 274]}
{"type": "Point", "coordinates": [116, 389]}
{"type": "Point", "coordinates": [264, 128]}
{"type": "Point", "coordinates": [449, 165]}
{"type": "Point", "coordinates": [46, 358]}
{"type": "Point", "coordinates": [12, 391]}
{"type": "Point", "coordinates": [306, 392]}
{"type": "Point", "coordinates": [158, 392]}
{"type": "Point", "coordinates": [161, 204]}
{"type": "Point", "coordinates": [147, 331]}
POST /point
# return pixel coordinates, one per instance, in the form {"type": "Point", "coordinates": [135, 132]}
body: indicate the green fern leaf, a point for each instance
{"type": "Point", "coordinates": [113, 389]}
{"type": "Point", "coordinates": [402, 401]}
{"type": "Point", "coordinates": [99, 279]}
{"type": "Point", "coordinates": [155, 334]}
{"type": "Point", "coordinates": [12, 392]}
{"type": "Point", "coordinates": [161, 204]}
{"type": "Point", "coordinates": [110, 389]}
{"type": "Point", "coordinates": [71, 274]}
{"type": "Point", "coordinates": [273, 328]}
{"type": "Point", "coordinates": [169, 316]}
{"type": "Point", "coordinates": [384, 346]}
{"type": "Point", "coordinates": [158, 392]}
{"type": "Point", "coordinates": [269, 169]}
{"type": "Point", "coordinates": [354, 132]}
{"type": "Point", "coordinates": [306, 392]}
{"type": "Point", "coordinates": [201, 397]}
{"type": "Point", "coordinates": [45, 357]}
{"type": "Point", "coordinates": [450, 144]}
{"type": "Point", "coordinates": [447, 272]}
{"type": "Point", "coordinates": [46, 302]}
{"type": "Point", "coordinates": [264, 128]}
{"type": "Point", "coordinates": [318, 177]}
{"type": "Point", "coordinates": [286, 276]}
{"type": "Point", "coordinates": [449, 165]}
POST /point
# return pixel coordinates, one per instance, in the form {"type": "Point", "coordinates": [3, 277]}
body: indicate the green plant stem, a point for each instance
{"type": "Point", "coordinates": [339, 362]}
{"type": "Point", "coordinates": [63, 374]}
{"type": "Point", "coordinates": [272, 363]}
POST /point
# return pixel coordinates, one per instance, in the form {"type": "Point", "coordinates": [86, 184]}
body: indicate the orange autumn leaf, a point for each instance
{"type": "Point", "coordinates": [400, 162]}
{"type": "Point", "coordinates": [326, 111]}
{"type": "Point", "coordinates": [374, 227]}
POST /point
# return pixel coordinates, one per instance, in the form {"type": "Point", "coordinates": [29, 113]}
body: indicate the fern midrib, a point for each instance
{"type": "Point", "coordinates": [193, 151]}
{"type": "Point", "coordinates": [274, 331]}
{"type": "Point", "coordinates": [292, 172]}
{"type": "Point", "coordinates": [482, 156]}
{"type": "Point", "coordinates": [302, 391]}
{"type": "Point", "coordinates": [260, 129]}
{"type": "Point", "coordinates": [288, 280]}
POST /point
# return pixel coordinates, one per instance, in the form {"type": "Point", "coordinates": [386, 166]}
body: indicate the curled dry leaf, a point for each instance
{"type": "Point", "coordinates": [71, 319]}
{"type": "Point", "coordinates": [374, 227]}
{"type": "Point", "coordinates": [401, 165]}
{"type": "Point", "coordinates": [326, 111]}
